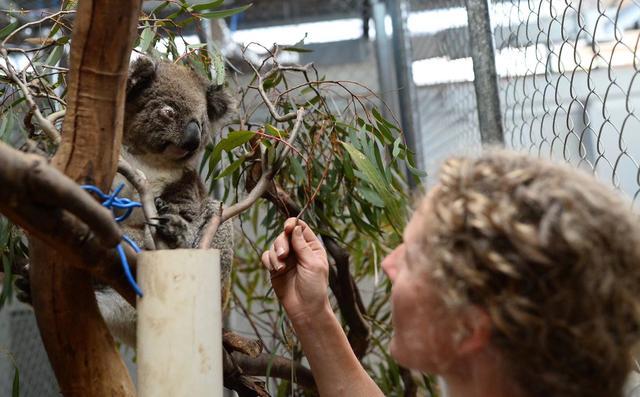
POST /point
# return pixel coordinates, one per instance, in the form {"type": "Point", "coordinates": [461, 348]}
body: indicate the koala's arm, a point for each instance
{"type": "Point", "coordinates": [181, 207]}
{"type": "Point", "coordinates": [184, 210]}
{"type": "Point", "coordinates": [119, 315]}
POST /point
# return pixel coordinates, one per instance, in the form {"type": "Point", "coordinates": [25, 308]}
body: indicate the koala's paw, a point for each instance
{"type": "Point", "coordinates": [173, 230]}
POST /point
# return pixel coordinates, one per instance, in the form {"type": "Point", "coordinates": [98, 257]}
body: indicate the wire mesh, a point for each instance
{"type": "Point", "coordinates": [443, 73]}
{"type": "Point", "coordinates": [21, 345]}
{"type": "Point", "coordinates": [569, 81]}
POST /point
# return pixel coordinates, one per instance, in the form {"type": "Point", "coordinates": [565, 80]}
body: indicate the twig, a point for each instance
{"type": "Point", "coordinates": [45, 124]}
{"type": "Point", "coordinates": [315, 192]}
{"type": "Point", "coordinates": [340, 280]}
{"type": "Point", "coordinates": [140, 183]}
{"type": "Point", "coordinates": [55, 116]}
{"type": "Point", "coordinates": [265, 98]}
{"type": "Point", "coordinates": [268, 172]}
{"type": "Point", "coordinates": [38, 22]}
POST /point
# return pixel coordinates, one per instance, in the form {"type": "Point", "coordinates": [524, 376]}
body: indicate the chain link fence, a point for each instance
{"type": "Point", "coordinates": [571, 86]}
{"type": "Point", "coordinates": [567, 77]}
{"type": "Point", "coordinates": [443, 74]}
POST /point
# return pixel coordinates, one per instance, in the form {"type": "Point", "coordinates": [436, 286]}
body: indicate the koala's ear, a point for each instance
{"type": "Point", "coordinates": [141, 73]}
{"type": "Point", "coordinates": [218, 102]}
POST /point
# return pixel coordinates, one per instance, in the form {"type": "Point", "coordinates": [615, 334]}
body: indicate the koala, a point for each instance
{"type": "Point", "coordinates": [170, 113]}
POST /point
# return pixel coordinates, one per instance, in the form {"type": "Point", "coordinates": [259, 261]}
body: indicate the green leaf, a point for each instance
{"type": "Point", "coordinates": [296, 49]}
{"type": "Point", "coordinates": [298, 172]}
{"type": "Point", "coordinates": [378, 182]}
{"type": "Point", "coordinates": [231, 168]}
{"type": "Point", "coordinates": [224, 13]}
{"type": "Point", "coordinates": [15, 388]}
{"type": "Point", "coordinates": [416, 171]}
{"type": "Point", "coordinates": [273, 131]}
{"type": "Point", "coordinates": [396, 148]}
{"type": "Point", "coordinates": [384, 121]}
{"type": "Point", "coordinates": [6, 31]}
{"type": "Point", "coordinates": [196, 46]}
{"type": "Point", "coordinates": [161, 7]}
{"type": "Point", "coordinates": [207, 6]}
{"type": "Point", "coordinates": [218, 66]}
{"type": "Point", "coordinates": [146, 38]}
{"type": "Point", "coordinates": [232, 141]}
{"type": "Point", "coordinates": [371, 196]}
{"type": "Point", "coordinates": [55, 55]}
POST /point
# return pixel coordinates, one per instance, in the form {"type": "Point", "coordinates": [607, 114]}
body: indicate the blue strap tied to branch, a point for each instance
{"type": "Point", "coordinates": [112, 201]}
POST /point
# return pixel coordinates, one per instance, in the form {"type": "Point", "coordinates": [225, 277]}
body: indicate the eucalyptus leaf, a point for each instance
{"type": "Point", "coordinates": [6, 31]}
{"type": "Point", "coordinates": [231, 168]}
{"type": "Point", "coordinates": [224, 13]}
{"type": "Point", "coordinates": [146, 38]}
{"type": "Point", "coordinates": [296, 49]}
{"type": "Point", "coordinates": [207, 6]}
{"type": "Point", "coordinates": [15, 387]}
{"type": "Point", "coordinates": [232, 141]}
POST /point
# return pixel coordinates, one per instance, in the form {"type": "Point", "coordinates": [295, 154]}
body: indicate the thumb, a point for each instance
{"type": "Point", "coordinates": [300, 246]}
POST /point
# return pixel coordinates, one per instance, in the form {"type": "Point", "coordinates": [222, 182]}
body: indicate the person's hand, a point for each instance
{"type": "Point", "coordinates": [299, 271]}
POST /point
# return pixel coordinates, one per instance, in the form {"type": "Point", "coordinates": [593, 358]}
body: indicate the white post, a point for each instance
{"type": "Point", "coordinates": [179, 340]}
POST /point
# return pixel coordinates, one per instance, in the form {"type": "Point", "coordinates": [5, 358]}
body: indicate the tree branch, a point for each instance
{"type": "Point", "coordinates": [27, 179]}
{"type": "Point", "coordinates": [268, 173]}
{"type": "Point", "coordinates": [44, 123]}
{"type": "Point", "coordinates": [140, 183]}
{"type": "Point", "coordinates": [80, 347]}
{"type": "Point", "coordinates": [277, 367]}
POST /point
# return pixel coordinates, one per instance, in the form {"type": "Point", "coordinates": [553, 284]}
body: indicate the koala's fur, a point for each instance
{"type": "Point", "coordinates": [170, 113]}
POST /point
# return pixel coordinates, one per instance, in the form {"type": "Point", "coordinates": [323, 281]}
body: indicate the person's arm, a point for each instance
{"type": "Point", "coordinates": [299, 275]}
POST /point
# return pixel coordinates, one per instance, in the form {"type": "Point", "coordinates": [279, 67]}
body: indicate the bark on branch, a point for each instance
{"type": "Point", "coordinates": [79, 345]}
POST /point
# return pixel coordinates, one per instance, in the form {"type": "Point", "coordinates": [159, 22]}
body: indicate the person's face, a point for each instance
{"type": "Point", "coordinates": [423, 328]}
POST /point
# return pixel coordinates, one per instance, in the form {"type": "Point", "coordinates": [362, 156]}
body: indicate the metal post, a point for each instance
{"type": "Point", "coordinates": [403, 59]}
{"type": "Point", "coordinates": [386, 72]}
{"type": "Point", "coordinates": [484, 69]}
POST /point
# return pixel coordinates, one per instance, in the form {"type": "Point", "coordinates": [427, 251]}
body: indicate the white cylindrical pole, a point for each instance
{"type": "Point", "coordinates": [179, 340]}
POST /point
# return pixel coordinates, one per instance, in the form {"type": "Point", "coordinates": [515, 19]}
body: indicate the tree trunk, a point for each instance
{"type": "Point", "coordinates": [81, 349]}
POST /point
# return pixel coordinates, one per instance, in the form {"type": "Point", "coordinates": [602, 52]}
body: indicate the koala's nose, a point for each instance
{"type": "Point", "coordinates": [191, 139]}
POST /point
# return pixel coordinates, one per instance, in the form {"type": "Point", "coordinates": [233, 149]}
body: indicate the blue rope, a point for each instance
{"type": "Point", "coordinates": [112, 201]}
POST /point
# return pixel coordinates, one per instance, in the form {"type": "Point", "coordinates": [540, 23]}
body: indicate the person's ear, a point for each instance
{"type": "Point", "coordinates": [474, 332]}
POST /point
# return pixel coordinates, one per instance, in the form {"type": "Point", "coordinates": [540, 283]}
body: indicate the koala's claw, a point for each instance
{"type": "Point", "coordinates": [161, 205]}
{"type": "Point", "coordinates": [173, 230]}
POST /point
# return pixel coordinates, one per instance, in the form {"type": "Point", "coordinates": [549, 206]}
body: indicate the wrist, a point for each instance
{"type": "Point", "coordinates": [312, 317]}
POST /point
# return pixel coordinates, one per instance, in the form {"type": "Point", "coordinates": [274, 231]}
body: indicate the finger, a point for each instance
{"type": "Point", "coordinates": [281, 246]}
{"type": "Point", "coordinates": [266, 261]}
{"type": "Point", "coordinates": [275, 262]}
{"type": "Point", "coordinates": [313, 241]}
{"type": "Point", "coordinates": [300, 245]}
{"type": "Point", "coordinates": [291, 223]}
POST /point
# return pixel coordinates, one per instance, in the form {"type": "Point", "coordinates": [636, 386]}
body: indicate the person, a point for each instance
{"type": "Point", "coordinates": [516, 277]}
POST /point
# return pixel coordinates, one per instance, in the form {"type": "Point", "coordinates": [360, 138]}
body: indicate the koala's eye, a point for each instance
{"type": "Point", "coordinates": [168, 112]}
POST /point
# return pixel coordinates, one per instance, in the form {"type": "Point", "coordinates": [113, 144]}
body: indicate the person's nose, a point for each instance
{"type": "Point", "coordinates": [390, 263]}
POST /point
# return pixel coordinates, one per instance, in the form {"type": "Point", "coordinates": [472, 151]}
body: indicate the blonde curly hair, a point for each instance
{"type": "Point", "coordinates": [553, 256]}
